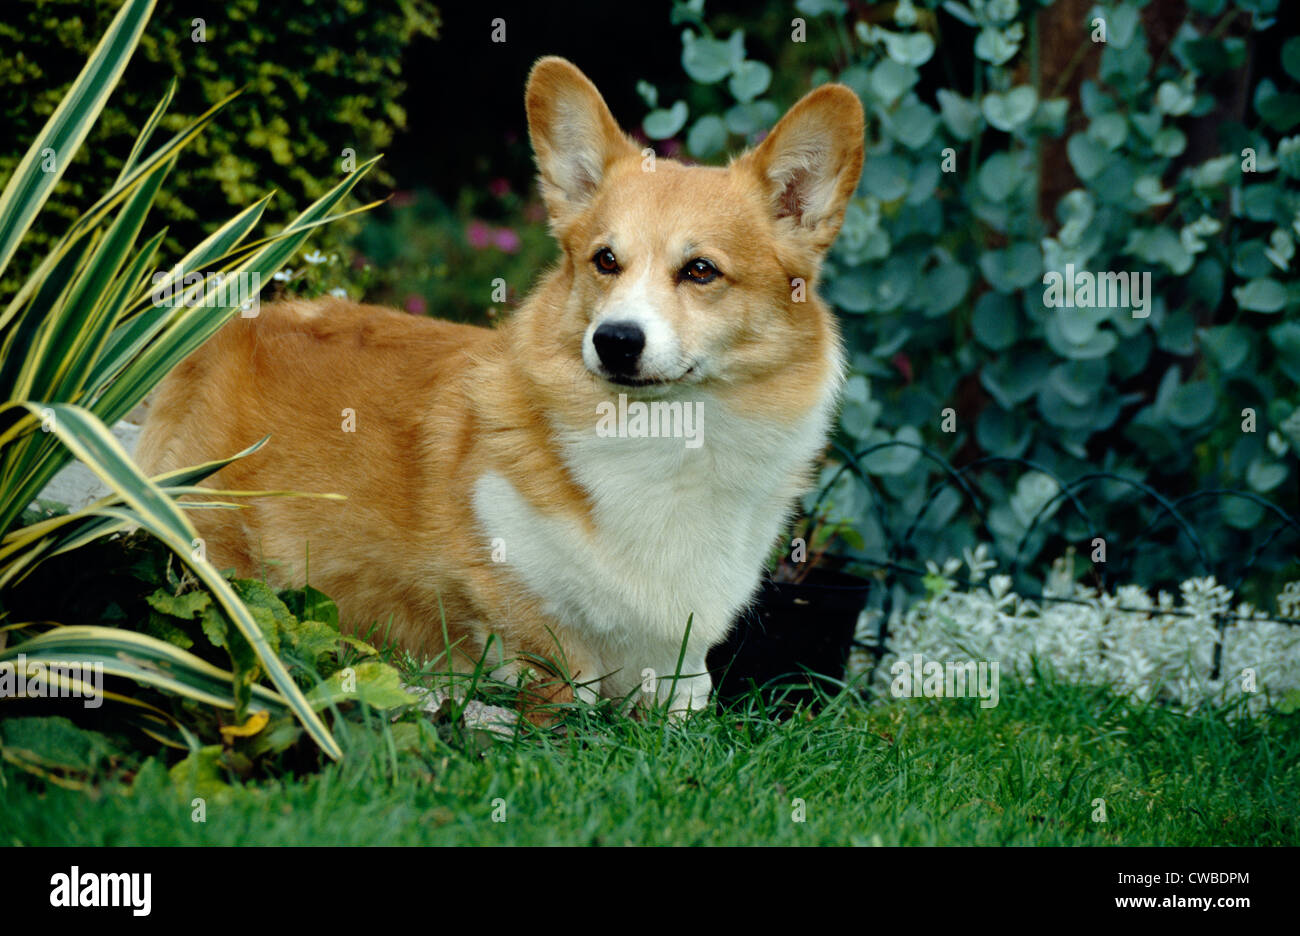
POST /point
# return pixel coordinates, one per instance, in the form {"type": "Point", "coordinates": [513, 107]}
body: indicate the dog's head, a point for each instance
{"type": "Point", "coordinates": [686, 274]}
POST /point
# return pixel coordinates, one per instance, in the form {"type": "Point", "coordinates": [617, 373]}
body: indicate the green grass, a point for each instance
{"type": "Point", "coordinates": [910, 772]}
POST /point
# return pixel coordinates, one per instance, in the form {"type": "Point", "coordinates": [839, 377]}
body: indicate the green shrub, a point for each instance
{"type": "Point", "coordinates": [322, 78]}
{"type": "Point", "coordinates": [940, 271]}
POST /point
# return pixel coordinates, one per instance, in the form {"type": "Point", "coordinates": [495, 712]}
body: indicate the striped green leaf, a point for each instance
{"type": "Point", "coordinates": [92, 443]}
{"type": "Point", "coordinates": [63, 133]}
{"type": "Point", "coordinates": [139, 657]}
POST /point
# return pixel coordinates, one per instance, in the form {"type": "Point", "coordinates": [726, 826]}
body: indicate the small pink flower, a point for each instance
{"type": "Point", "coordinates": [903, 364]}
{"type": "Point", "coordinates": [415, 304]}
{"type": "Point", "coordinates": [478, 234]}
{"type": "Point", "coordinates": [499, 187]}
{"type": "Point", "coordinates": [506, 240]}
{"type": "Point", "coordinates": [402, 198]}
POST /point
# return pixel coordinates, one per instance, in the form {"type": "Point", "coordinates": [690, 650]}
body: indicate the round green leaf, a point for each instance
{"type": "Point", "coordinates": [945, 286]}
{"type": "Point", "coordinates": [895, 460]}
{"type": "Point", "coordinates": [1263, 294]}
{"type": "Point", "coordinates": [1059, 411]}
{"type": "Point", "coordinates": [706, 60]}
{"type": "Point", "coordinates": [1012, 268]}
{"type": "Point", "coordinates": [960, 115]}
{"type": "Point", "coordinates": [1191, 404]}
{"type": "Point", "coordinates": [707, 137]}
{"type": "Point", "coordinates": [1291, 57]}
{"type": "Point", "coordinates": [1264, 474]}
{"type": "Point", "coordinates": [998, 177]}
{"type": "Point", "coordinates": [662, 124]}
{"type": "Point", "coordinates": [1286, 339]}
{"type": "Point", "coordinates": [908, 48]}
{"type": "Point", "coordinates": [1011, 109]}
{"type": "Point", "coordinates": [890, 80]}
{"type": "Point", "coordinates": [1228, 345]}
{"type": "Point", "coordinates": [994, 321]}
{"type": "Point", "coordinates": [886, 176]}
{"type": "Point", "coordinates": [1003, 433]}
{"type": "Point", "coordinates": [1079, 382]}
{"type": "Point", "coordinates": [913, 124]}
{"type": "Point", "coordinates": [751, 117]}
{"type": "Point", "coordinates": [1110, 130]}
{"type": "Point", "coordinates": [1087, 156]}
{"type": "Point", "coordinates": [749, 80]}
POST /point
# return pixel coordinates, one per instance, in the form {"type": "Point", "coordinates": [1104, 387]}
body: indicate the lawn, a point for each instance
{"type": "Point", "coordinates": [911, 772]}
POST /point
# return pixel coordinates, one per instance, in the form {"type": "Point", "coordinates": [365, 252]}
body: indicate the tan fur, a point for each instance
{"type": "Point", "coordinates": [437, 404]}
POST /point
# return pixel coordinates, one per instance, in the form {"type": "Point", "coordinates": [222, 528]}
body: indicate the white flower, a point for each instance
{"type": "Point", "coordinates": [339, 292]}
{"type": "Point", "coordinates": [315, 257]}
{"type": "Point", "coordinates": [1159, 648]}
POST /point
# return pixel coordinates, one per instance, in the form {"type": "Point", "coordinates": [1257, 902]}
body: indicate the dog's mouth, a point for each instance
{"type": "Point", "coordinates": [624, 380]}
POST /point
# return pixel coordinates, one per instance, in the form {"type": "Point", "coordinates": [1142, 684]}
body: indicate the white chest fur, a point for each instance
{"type": "Point", "coordinates": [679, 532]}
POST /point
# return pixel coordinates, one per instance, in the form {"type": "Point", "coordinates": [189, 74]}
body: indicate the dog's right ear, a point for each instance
{"type": "Point", "coordinates": [574, 135]}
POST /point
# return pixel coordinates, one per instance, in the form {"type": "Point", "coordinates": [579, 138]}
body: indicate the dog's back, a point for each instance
{"type": "Point", "coordinates": [346, 393]}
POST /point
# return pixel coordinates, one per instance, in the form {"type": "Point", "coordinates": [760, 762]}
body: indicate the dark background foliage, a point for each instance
{"type": "Point", "coordinates": [320, 78]}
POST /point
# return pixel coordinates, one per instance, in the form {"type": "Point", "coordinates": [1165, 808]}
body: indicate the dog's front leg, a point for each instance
{"type": "Point", "coordinates": [680, 691]}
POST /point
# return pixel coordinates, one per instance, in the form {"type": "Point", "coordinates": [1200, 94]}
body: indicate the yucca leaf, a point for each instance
{"type": "Point", "coordinates": [139, 325]}
{"type": "Point", "coordinates": [73, 323]}
{"type": "Point", "coordinates": [141, 658]}
{"type": "Point", "coordinates": [146, 132]}
{"type": "Point", "coordinates": [106, 515]}
{"type": "Point", "coordinates": [236, 257]}
{"type": "Point", "coordinates": [67, 127]}
{"type": "Point", "coordinates": [92, 443]}
{"type": "Point", "coordinates": [114, 301]}
{"type": "Point", "coordinates": [26, 331]}
{"type": "Point", "coordinates": [193, 326]}
{"type": "Point", "coordinates": [52, 658]}
{"type": "Point", "coordinates": [121, 190]}
{"type": "Point", "coordinates": [217, 245]}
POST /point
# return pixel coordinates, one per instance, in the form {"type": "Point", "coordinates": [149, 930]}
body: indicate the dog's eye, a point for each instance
{"type": "Point", "coordinates": [605, 261]}
{"type": "Point", "coordinates": [700, 270]}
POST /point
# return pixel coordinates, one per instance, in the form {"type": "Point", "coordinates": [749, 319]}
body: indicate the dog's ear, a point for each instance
{"type": "Point", "coordinates": [809, 164]}
{"type": "Point", "coordinates": [574, 135]}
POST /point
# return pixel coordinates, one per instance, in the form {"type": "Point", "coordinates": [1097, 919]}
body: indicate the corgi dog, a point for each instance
{"type": "Point", "coordinates": [506, 500]}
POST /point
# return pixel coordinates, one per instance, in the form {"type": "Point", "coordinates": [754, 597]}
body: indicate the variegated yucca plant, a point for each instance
{"type": "Point", "coordinates": [82, 344]}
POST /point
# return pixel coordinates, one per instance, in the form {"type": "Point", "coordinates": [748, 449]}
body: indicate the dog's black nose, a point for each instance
{"type": "Point", "coordinates": [619, 345]}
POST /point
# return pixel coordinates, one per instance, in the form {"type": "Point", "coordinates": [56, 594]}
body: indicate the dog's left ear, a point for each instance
{"type": "Point", "coordinates": [574, 135]}
{"type": "Point", "coordinates": [810, 163]}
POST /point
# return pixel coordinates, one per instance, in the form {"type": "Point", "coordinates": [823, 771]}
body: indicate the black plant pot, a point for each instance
{"type": "Point", "coordinates": [792, 635]}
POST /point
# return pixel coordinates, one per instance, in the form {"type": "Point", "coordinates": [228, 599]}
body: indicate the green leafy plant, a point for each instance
{"type": "Point", "coordinates": [984, 177]}
{"type": "Point", "coordinates": [323, 79]}
{"type": "Point", "coordinates": [85, 338]}
{"type": "Point", "coordinates": [194, 680]}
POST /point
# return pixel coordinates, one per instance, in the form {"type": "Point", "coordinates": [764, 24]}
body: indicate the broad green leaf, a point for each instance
{"type": "Point", "coordinates": [377, 684]}
{"type": "Point", "coordinates": [61, 137]}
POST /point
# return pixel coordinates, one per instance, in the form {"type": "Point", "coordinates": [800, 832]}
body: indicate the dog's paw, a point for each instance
{"type": "Point", "coordinates": [689, 693]}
